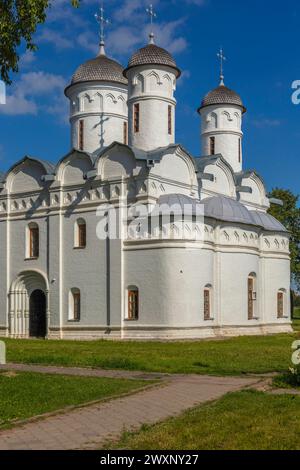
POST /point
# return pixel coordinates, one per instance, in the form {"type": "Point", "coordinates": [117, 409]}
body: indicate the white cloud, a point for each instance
{"type": "Point", "coordinates": [262, 123]}
{"type": "Point", "coordinates": [23, 98]}
{"type": "Point", "coordinates": [27, 59]}
{"type": "Point", "coordinates": [69, 28]}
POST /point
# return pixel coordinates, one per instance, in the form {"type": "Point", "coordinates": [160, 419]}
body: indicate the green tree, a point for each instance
{"type": "Point", "coordinates": [289, 216]}
{"type": "Point", "coordinates": [19, 20]}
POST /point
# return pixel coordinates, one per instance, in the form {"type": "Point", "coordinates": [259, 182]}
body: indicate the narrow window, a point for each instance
{"type": "Point", "coordinates": [125, 133]}
{"type": "Point", "coordinates": [74, 305]}
{"type": "Point", "coordinates": [76, 298]}
{"type": "Point", "coordinates": [207, 304]}
{"type": "Point", "coordinates": [133, 304]}
{"type": "Point", "coordinates": [280, 304]}
{"type": "Point", "coordinates": [34, 242]}
{"type": "Point", "coordinates": [212, 141]}
{"type": "Point", "coordinates": [240, 151]}
{"type": "Point", "coordinates": [80, 234]}
{"type": "Point", "coordinates": [170, 120]}
{"type": "Point", "coordinates": [81, 135]}
{"type": "Point", "coordinates": [251, 298]}
{"type": "Point", "coordinates": [137, 117]}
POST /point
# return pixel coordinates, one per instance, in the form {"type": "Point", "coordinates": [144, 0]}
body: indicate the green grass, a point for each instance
{"type": "Point", "coordinates": [229, 357]}
{"type": "Point", "coordinates": [240, 421]}
{"type": "Point", "coordinates": [24, 395]}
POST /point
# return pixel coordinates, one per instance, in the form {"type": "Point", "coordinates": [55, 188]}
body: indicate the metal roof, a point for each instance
{"type": "Point", "coordinates": [222, 95]}
{"type": "Point", "coordinates": [152, 55]}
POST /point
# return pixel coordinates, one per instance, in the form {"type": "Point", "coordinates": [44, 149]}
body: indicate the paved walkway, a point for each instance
{"type": "Point", "coordinates": [90, 427]}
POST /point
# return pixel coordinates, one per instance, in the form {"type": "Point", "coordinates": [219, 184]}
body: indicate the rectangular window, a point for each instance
{"type": "Point", "coordinates": [251, 297]}
{"type": "Point", "coordinates": [81, 135]}
{"type": "Point", "coordinates": [82, 236]}
{"type": "Point", "coordinates": [125, 133]}
{"type": "Point", "coordinates": [76, 298]}
{"type": "Point", "coordinates": [137, 117]}
{"type": "Point", "coordinates": [280, 305]}
{"type": "Point", "coordinates": [212, 141]}
{"type": "Point", "coordinates": [133, 305]}
{"type": "Point", "coordinates": [207, 304]}
{"type": "Point", "coordinates": [170, 120]}
{"type": "Point", "coordinates": [34, 243]}
{"type": "Point", "coordinates": [240, 151]}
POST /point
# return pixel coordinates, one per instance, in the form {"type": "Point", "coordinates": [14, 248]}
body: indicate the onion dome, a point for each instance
{"type": "Point", "coordinates": [152, 55]}
{"type": "Point", "coordinates": [222, 96]}
{"type": "Point", "coordinates": [100, 69]}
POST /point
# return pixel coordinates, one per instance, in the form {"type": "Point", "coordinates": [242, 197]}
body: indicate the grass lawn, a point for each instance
{"type": "Point", "coordinates": [24, 395]}
{"type": "Point", "coordinates": [227, 357]}
{"type": "Point", "coordinates": [240, 421]}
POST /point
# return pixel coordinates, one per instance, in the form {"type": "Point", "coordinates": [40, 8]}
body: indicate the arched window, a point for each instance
{"type": "Point", "coordinates": [74, 305]}
{"type": "Point", "coordinates": [281, 300]}
{"type": "Point", "coordinates": [133, 303]}
{"type": "Point", "coordinates": [207, 303]}
{"type": "Point", "coordinates": [80, 234]}
{"type": "Point", "coordinates": [33, 241]}
{"type": "Point", "coordinates": [252, 296]}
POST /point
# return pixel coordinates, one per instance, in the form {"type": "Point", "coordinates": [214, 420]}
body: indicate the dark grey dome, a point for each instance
{"type": "Point", "coordinates": [102, 68]}
{"type": "Point", "coordinates": [222, 95]}
{"type": "Point", "coordinates": [152, 55]}
{"type": "Point", "coordinates": [267, 221]}
{"type": "Point", "coordinates": [228, 210]}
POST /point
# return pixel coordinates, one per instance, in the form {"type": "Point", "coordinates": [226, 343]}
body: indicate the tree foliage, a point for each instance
{"type": "Point", "coordinates": [19, 20]}
{"type": "Point", "coordinates": [289, 216]}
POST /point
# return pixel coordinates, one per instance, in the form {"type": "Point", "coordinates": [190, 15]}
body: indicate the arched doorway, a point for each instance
{"type": "Point", "coordinates": [29, 309]}
{"type": "Point", "coordinates": [37, 314]}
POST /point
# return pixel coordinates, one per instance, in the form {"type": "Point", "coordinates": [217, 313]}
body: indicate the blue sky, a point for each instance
{"type": "Point", "coordinates": [260, 40]}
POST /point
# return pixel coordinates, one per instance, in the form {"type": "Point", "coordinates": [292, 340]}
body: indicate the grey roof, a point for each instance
{"type": "Point", "coordinates": [222, 95]}
{"type": "Point", "coordinates": [267, 221]}
{"type": "Point", "coordinates": [179, 204]}
{"type": "Point", "coordinates": [152, 55]}
{"type": "Point", "coordinates": [227, 210]}
{"type": "Point", "coordinates": [102, 69]}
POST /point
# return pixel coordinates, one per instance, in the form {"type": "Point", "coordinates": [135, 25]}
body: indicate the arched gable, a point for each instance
{"type": "Point", "coordinates": [258, 195]}
{"type": "Point", "coordinates": [222, 178]}
{"type": "Point", "coordinates": [177, 165]}
{"type": "Point", "coordinates": [26, 175]}
{"type": "Point", "coordinates": [116, 161]}
{"type": "Point", "coordinates": [73, 168]}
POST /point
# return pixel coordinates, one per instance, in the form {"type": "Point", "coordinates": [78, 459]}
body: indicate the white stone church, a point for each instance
{"type": "Point", "coordinates": [59, 279]}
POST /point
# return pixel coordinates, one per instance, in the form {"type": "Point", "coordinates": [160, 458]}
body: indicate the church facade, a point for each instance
{"type": "Point", "coordinates": [219, 267]}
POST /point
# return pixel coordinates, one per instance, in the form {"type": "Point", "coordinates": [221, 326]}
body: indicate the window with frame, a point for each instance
{"type": "Point", "coordinates": [170, 120]}
{"type": "Point", "coordinates": [74, 305]}
{"type": "Point", "coordinates": [252, 297]}
{"type": "Point", "coordinates": [212, 143]}
{"type": "Point", "coordinates": [240, 150]}
{"type": "Point", "coordinates": [280, 304]}
{"type": "Point", "coordinates": [207, 304]}
{"type": "Point", "coordinates": [80, 234]}
{"type": "Point", "coordinates": [81, 134]}
{"type": "Point", "coordinates": [77, 306]}
{"type": "Point", "coordinates": [136, 117]}
{"type": "Point", "coordinates": [125, 133]}
{"type": "Point", "coordinates": [133, 304]}
{"type": "Point", "coordinates": [34, 241]}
